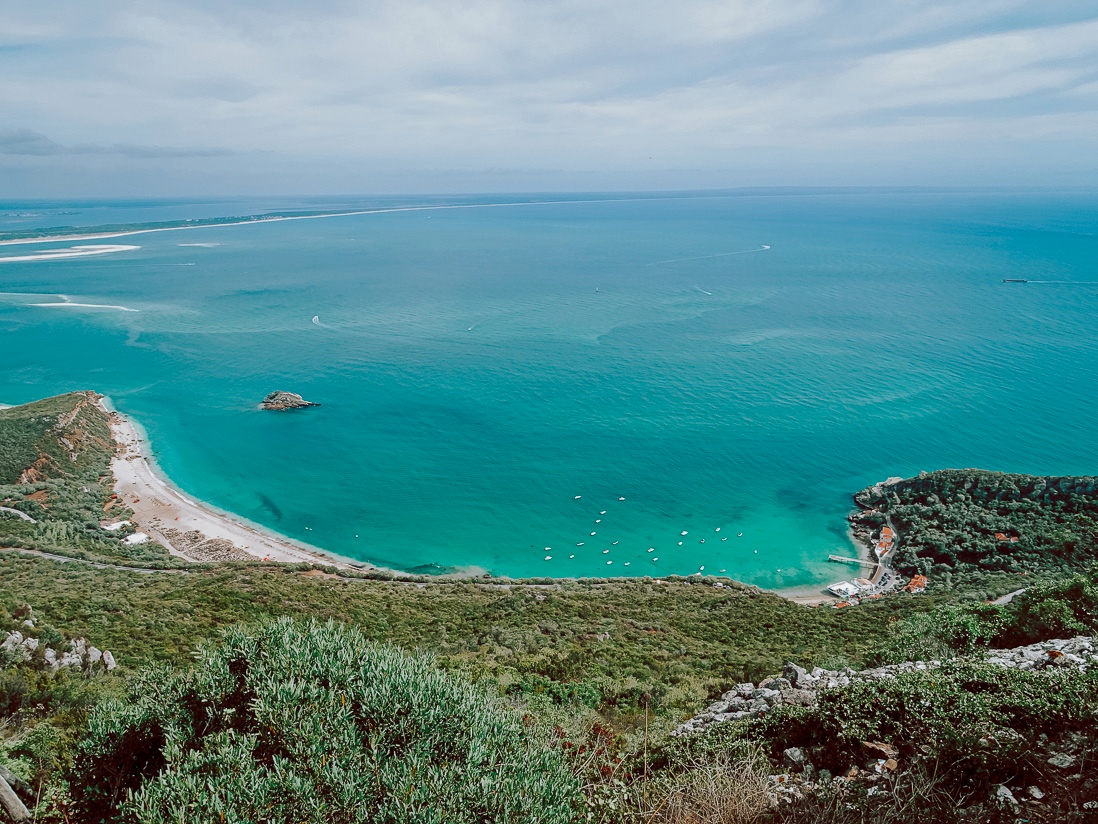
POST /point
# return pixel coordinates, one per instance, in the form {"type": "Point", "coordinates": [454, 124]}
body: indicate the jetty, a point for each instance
{"type": "Point", "coordinates": [843, 560]}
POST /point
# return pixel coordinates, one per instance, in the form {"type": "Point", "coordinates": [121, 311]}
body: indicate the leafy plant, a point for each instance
{"type": "Point", "coordinates": [310, 722]}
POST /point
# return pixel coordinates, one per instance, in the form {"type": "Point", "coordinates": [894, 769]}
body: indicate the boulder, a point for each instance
{"type": "Point", "coordinates": [1062, 760]}
{"type": "Point", "coordinates": [796, 676]}
{"type": "Point", "coordinates": [1005, 797]}
{"type": "Point", "coordinates": [794, 758]}
{"type": "Point", "coordinates": [281, 401]}
{"type": "Point", "coordinates": [799, 698]}
{"type": "Point", "coordinates": [108, 660]}
{"type": "Point", "coordinates": [769, 696]}
{"type": "Point", "coordinates": [879, 749]}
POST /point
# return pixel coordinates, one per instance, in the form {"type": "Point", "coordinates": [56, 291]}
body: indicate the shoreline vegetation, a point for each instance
{"type": "Point", "coordinates": [150, 509]}
{"type": "Point", "coordinates": [589, 679]}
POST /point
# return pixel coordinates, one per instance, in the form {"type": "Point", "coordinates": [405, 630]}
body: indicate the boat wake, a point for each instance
{"type": "Point", "coordinates": [763, 248]}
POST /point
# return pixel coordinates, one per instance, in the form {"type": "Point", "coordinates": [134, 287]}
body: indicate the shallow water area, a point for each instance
{"type": "Point", "coordinates": [478, 368]}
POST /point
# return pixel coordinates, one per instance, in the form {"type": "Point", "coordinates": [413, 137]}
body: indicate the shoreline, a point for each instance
{"type": "Point", "coordinates": [168, 516]}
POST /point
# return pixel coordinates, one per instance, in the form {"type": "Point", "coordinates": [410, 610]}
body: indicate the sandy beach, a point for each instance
{"type": "Point", "coordinates": [189, 529]}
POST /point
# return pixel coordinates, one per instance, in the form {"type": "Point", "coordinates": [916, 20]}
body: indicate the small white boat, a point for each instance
{"type": "Point", "coordinates": [316, 319]}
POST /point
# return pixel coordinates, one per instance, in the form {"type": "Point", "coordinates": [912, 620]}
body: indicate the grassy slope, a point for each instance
{"type": "Point", "coordinates": [55, 466]}
{"type": "Point", "coordinates": [610, 643]}
{"type": "Point", "coordinates": [678, 642]}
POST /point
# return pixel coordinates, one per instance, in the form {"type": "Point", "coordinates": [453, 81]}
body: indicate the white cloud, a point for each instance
{"type": "Point", "coordinates": [563, 84]}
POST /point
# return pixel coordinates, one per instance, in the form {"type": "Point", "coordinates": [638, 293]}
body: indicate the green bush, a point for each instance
{"type": "Point", "coordinates": [978, 720]}
{"type": "Point", "coordinates": [310, 722]}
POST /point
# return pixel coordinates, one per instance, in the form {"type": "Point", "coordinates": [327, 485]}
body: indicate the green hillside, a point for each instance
{"type": "Point", "coordinates": [587, 680]}
{"type": "Point", "coordinates": [55, 468]}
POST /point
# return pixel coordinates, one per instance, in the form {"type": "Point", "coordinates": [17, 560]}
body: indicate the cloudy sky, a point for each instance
{"type": "Point", "coordinates": [334, 96]}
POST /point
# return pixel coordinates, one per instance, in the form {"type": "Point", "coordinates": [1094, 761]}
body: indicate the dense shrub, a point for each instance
{"type": "Point", "coordinates": [1056, 609]}
{"type": "Point", "coordinates": [310, 722]}
{"type": "Point", "coordinates": [971, 519]}
{"type": "Point", "coordinates": [978, 720]}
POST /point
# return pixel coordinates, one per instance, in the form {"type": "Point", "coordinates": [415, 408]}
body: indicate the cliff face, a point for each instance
{"type": "Point", "coordinates": [64, 437]}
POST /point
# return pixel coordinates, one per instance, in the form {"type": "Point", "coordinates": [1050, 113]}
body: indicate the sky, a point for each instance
{"type": "Point", "coordinates": [118, 98]}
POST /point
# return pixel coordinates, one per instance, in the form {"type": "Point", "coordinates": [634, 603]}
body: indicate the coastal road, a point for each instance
{"type": "Point", "coordinates": [96, 564]}
{"type": "Point", "coordinates": [22, 515]}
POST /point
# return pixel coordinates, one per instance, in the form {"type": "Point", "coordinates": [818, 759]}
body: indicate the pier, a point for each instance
{"type": "Point", "coordinates": [840, 559]}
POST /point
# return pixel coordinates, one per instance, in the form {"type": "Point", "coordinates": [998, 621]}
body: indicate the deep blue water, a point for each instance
{"type": "Point", "coordinates": [478, 368]}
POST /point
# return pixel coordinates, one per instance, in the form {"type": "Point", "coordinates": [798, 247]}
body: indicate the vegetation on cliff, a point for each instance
{"type": "Point", "coordinates": [969, 519]}
{"type": "Point", "coordinates": [55, 469]}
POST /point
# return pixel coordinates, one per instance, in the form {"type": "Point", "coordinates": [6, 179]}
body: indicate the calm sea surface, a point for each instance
{"type": "Point", "coordinates": [740, 363]}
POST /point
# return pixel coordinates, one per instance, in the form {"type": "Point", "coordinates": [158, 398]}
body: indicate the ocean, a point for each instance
{"type": "Point", "coordinates": [554, 385]}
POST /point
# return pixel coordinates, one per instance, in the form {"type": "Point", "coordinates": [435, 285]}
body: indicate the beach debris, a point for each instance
{"type": "Point", "coordinates": [281, 401]}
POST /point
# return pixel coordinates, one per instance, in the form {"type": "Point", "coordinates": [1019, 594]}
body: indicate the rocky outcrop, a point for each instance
{"type": "Point", "coordinates": [798, 686]}
{"type": "Point", "coordinates": [79, 655]}
{"type": "Point", "coordinates": [281, 401]}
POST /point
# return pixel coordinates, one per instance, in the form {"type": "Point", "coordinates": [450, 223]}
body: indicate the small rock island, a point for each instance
{"type": "Point", "coordinates": [281, 401]}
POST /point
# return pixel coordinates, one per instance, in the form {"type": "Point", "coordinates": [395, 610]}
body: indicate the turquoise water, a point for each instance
{"type": "Point", "coordinates": [478, 368]}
